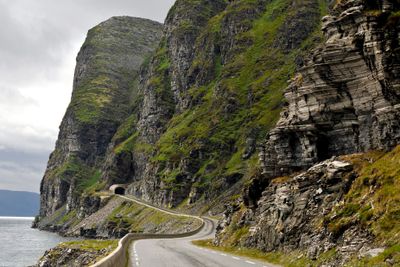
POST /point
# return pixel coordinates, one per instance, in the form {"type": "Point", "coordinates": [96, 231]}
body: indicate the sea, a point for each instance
{"type": "Point", "coordinates": [22, 246]}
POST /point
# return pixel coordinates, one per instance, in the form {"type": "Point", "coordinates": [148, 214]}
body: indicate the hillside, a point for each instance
{"type": "Point", "coordinates": [104, 91]}
{"type": "Point", "coordinates": [209, 95]}
{"type": "Point", "coordinates": [19, 204]}
{"type": "Point", "coordinates": [197, 107]}
{"type": "Point", "coordinates": [268, 113]}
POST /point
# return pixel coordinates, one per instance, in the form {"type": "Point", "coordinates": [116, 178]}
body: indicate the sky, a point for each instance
{"type": "Point", "coordinates": [39, 41]}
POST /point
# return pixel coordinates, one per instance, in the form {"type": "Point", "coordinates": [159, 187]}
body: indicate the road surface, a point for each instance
{"type": "Point", "coordinates": [182, 253]}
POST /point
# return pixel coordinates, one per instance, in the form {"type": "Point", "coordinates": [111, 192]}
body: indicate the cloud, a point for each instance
{"type": "Point", "coordinates": [24, 152]}
{"type": "Point", "coordinates": [36, 34]}
{"type": "Point", "coordinates": [39, 41]}
{"type": "Point", "coordinates": [26, 138]}
{"type": "Point", "coordinates": [20, 177]}
{"type": "Point", "coordinates": [13, 98]}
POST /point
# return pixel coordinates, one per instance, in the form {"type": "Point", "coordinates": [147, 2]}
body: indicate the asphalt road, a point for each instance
{"type": "Point", "coordinates": [181, 252]}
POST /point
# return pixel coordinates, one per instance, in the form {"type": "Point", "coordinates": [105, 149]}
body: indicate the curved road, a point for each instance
{"type": "Point", "coordinates": [180, 252]}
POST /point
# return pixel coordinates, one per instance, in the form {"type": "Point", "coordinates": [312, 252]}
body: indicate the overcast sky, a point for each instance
{"type": "Point", "coordinates": [39, 41]}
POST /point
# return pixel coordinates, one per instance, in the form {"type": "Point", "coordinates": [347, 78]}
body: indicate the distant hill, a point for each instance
{"type": "Point", "coordinates": [15, 203]}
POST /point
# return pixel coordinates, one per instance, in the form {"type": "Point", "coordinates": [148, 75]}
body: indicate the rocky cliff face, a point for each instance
{"type": "Point", "coordinates": [182, 129]}
{"type": "Point", "coordinates": [290, 212]}
{"type": "Point", "coordinates": [106, 72]}
{"type": "Point", "coordinates": [202, 107]}
{"type": "Point", "coordinates": [337, 213]}
{"type": "Point", "coordinates": [346, 98]}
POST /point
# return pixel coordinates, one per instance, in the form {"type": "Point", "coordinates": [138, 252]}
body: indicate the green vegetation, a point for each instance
{"type": "Point", "coordinates": [293, 259]}
{"type": "Point", "coordinates": [234, 233]}
{"type": "Point", "coordinates": [61, 218]}
{"type": "Point", "coordinates": [224, 116]}
{"type": "Point", "coordinates": [66, 254]}
{"type": "Point", "coordinates": [239, 99]}
{"type": "Point", "coordinates": [91, 245]}
{"type": "Point", "coordinates": [391, 254]}
{"type": "Point", "coordinates": [106, 81]}
{"type": "Point", "coordinates": [91, 97]}
{"type": "Point", "coordinates": [127, 137]}
{"type": "Point", "coordinates": [233, 101]}
{"type": "Point", "coordinates": [373, 202]}
{"type": "Point", "coordinates": [94, 250]}
{"type": "Point", "coordinates": [133, 217]}
{"type": "Point", "coordinates": [374, 199]}
{"type": "Point", "coordinates": [93, 179]}
{"type": "Point", "coordinates": [68, 217]}
{"type": "Point", "coordinates": [85, 177]}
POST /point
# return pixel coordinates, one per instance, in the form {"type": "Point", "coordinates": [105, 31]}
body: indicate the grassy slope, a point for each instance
{"type": "Point", "coordinates": [260, 70]}
{"type": "Point", "coordinates": [374, 203]}
{"type": "Point", "coordinates": [208, 120]}
{"type": "Point", "coordinates": [99, 89]}
{"type": "Point", "coordinates": [293, 259]}
{"type": "Point", "coordinates": [126, 216]}
{"type": "Point", "coordinates": [94, 249]}
{"type": "Point", "coordinates": [138, 218]}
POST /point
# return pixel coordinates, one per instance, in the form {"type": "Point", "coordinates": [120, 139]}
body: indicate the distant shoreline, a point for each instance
{"type": "Point", "coordinates": [15, 218]}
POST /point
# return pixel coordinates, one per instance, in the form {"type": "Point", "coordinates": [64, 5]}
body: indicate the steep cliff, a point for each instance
{"type": "Point", "coordinates": [104, 88]}
{"type": "Point", "coordinates": [219, 65]}
{"type": "Point", "coordinates": [181, 128]}
{"type": "Point", "coordinates": [344, 100]}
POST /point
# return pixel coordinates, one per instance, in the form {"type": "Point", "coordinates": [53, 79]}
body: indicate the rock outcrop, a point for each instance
{"type": "Point", "coordinates": [291, 212]}
{"type": "Point", "coordinates": [75, 255]}
{"type": "Point", "coordinates": [167, 153]}
{"type": "Point", "coordinates": [177, 127]}
{"type": "Point", "coordinates": [346, 98]}
{"type": "Point", "coordinates": [181, 128]}
{"type": "Point", "coordinates": [107, 67]}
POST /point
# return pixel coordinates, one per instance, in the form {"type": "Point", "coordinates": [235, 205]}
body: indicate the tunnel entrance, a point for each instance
{"type": "Point", "coordinates": [119, 191]}
{"type": "Point", "coordinates": [322, 146]}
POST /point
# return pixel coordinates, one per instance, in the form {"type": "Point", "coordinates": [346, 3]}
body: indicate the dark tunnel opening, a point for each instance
{"type": "Point", "coordinates": [119, 191]}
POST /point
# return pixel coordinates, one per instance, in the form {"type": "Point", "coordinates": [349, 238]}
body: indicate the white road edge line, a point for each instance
{"type": "Point", "coordinates": [250, 262]}
{"type": "Point", "coordinates": [162, 210]}
{"type": "Point", "coordinates": [236, 258]}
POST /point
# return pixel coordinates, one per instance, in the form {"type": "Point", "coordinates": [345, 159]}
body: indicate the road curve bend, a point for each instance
{"type": "Point", "coordinates": [163, 250]}
{"type": "Point", "coordinates": [180, 252]}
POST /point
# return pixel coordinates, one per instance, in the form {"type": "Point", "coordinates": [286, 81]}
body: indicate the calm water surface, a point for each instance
{"type": "Point", "coordinates": [22, 246]}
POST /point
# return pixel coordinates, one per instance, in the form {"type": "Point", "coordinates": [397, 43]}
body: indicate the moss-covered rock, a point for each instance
{"type": "Point", "coordinates": [77, 253]}
{"type": "Point", "coordinates": [224, 71]}
{"type": "Point", "coordinates": [105, 87]}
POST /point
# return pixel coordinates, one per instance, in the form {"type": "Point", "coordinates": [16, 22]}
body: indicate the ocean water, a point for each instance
{"type": "Point", "coordinates": [20, 245]}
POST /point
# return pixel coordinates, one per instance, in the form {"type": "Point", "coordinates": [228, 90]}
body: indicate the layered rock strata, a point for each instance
{"type": "Point", "coordinates": [291, 211]}
{"type": "Point", "coordinates": [346, 98]}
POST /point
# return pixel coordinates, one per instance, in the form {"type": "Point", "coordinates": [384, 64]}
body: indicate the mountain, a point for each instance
{"type": "Point", "coordinates": [19, 204]}
{"type": "Point", "coordinates": [183, 127]}
{"type": "Point", "coordinates": [104, 95]}
{"type": "Point", "coordinates": [281, 116]}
